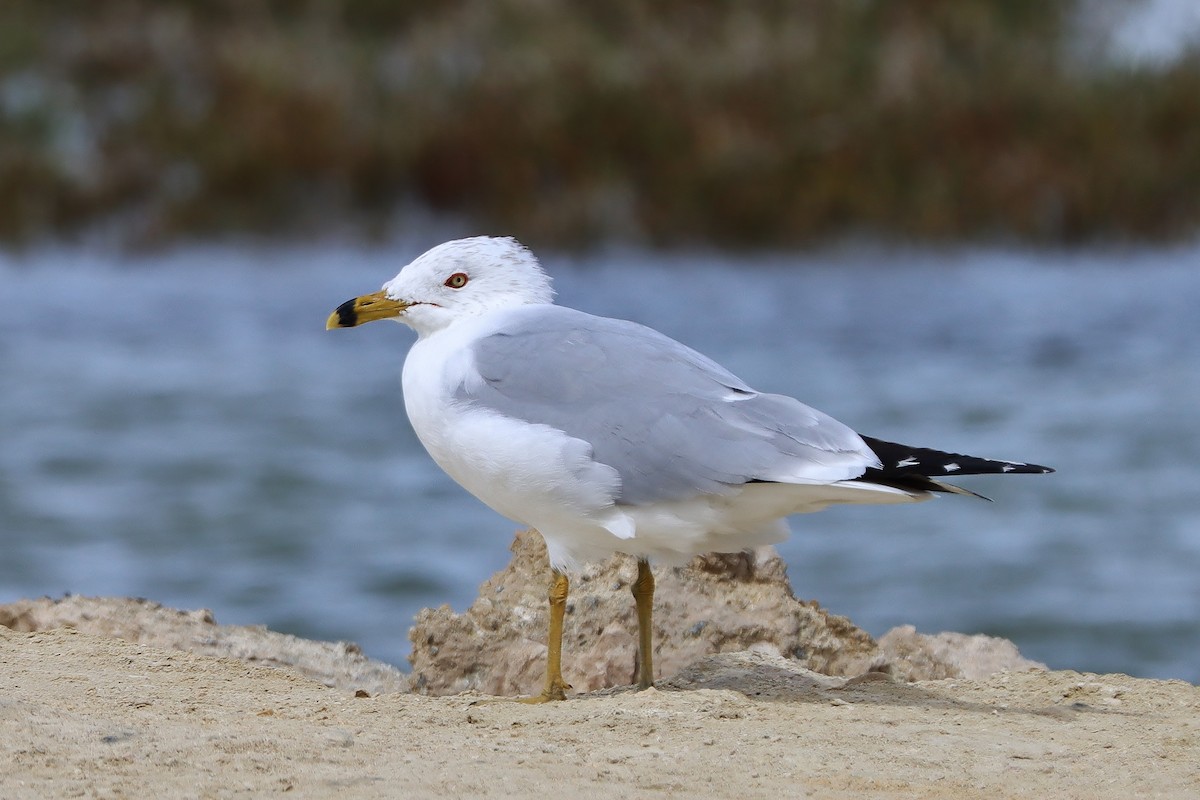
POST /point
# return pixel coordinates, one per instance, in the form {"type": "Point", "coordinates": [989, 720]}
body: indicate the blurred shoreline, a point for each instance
{"type": "Point", "coordinates": [654, 125]}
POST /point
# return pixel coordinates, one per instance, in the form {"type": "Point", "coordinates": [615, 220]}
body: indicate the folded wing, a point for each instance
{"type": "Point", "coordinates": [670, 421]}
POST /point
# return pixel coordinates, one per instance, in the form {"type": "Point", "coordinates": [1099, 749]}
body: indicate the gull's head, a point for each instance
{"type": "Point", "coordinates": [458, 279]}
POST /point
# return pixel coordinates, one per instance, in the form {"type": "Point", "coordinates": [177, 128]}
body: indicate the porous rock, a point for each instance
{"type": "Point", "coordinates": [951, 655]}
{"type": "Point", "coordinates": [336, 664]}
{"type": "Point", "coordinates": [719, 603]}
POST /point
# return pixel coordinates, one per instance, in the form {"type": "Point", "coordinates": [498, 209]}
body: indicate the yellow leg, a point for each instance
{"type": "Point", "coordinates": [556, 687]}
{"type": "Point", "coordinates": [643, 596]}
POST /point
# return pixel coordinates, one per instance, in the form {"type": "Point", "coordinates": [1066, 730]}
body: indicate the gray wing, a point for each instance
{"type": "Point", "coordinates": [670, 421]}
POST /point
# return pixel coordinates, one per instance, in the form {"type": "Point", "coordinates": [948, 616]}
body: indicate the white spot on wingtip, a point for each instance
{"type": "Point", "coordinates": [951, 467]}
{"type": "Point", "coordinates": [911, 461]}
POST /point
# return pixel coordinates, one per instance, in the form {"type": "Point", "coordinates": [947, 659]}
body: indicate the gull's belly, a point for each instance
{"type": "Point", "coordinates": [530, 473]}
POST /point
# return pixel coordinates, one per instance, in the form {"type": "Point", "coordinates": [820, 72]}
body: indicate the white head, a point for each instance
{"type": "Point", "coordinates": [462, 278]}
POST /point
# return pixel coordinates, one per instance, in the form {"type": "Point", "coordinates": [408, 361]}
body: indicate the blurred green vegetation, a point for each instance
{"type": "Point", "coordinates": [734, 123]}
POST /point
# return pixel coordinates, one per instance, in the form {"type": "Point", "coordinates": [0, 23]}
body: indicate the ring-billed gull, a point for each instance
{"type": "Point", "coordinates": [607, 436]}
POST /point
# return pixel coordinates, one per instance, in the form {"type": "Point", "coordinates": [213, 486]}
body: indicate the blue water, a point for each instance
{"type": "Point", "coordinates": [180, 427]}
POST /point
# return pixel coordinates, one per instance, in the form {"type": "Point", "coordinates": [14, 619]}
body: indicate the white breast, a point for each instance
{"type": "Point", "coordinates": [533, 474]}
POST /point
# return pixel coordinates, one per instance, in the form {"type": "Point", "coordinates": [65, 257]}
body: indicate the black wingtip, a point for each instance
{"type": "Point", "coordinates": [1011, 467]}
{"type": "Point", "coordinates": [900, 459]}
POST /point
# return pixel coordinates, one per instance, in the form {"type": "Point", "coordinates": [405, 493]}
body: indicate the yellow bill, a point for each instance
{"type": "Point", "coordinates": [367, 308]}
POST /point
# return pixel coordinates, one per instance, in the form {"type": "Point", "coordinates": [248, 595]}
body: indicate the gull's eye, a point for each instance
{"type": "Point", "coordinates": [457, 280]}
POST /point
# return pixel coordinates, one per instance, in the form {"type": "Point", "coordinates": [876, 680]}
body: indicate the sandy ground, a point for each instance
{"type": "Point", "coordinates": [90, 716]}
